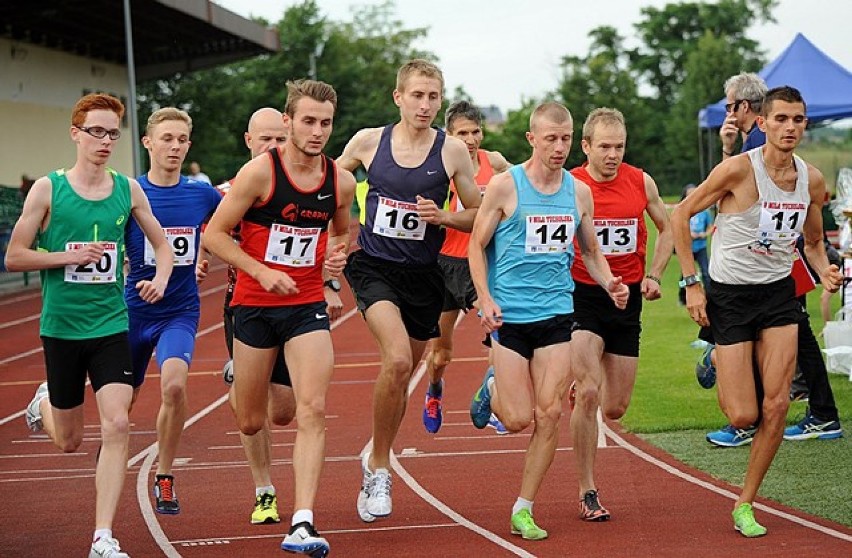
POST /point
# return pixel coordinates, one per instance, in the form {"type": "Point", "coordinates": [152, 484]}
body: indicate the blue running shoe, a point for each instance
{"type": "Point", "coordinates": [480, 406]}
{"type": "Point", "coordinates": [704, 369]}
{"type": "Point", "coordinates": [730, 437]}
{"type": "Point", "coordinates": [433, 412]}
{"type": "Point", "coordinates": [303, 539]}
{"type": "Point", "coordinates": [498, 427]}
{"type": "Point", "coordinates": [811, 428]}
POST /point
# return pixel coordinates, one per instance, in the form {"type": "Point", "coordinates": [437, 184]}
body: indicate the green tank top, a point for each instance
{"type": "Point", "coordinates": [85, 302]}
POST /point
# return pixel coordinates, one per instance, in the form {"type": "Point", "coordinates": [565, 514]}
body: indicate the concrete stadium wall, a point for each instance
{"type": "Point", "coordinates": [38, 89]}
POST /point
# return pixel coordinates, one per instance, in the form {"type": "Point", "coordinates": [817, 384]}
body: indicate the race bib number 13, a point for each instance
{"type": "Point", "coordinates": [102, 271]}
{"type": "Point", "coordinates": [616, 236]}
{"type": "Point", "coordinates": [398, 219]}
{"type": "Point", "coordinates": [549, 233]}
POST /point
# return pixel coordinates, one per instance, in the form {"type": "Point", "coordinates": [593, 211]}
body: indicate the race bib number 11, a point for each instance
{"type": "Point", "coordinates": [102, 271]}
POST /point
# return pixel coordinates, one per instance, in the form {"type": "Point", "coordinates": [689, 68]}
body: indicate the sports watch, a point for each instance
{"type": "Point", "coordinates": [332, 284]}
{"type": "Point", "coordinates": [688, 281]}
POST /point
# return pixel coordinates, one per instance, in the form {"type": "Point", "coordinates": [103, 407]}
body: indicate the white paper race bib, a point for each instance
{"type": "Point", "coordinates": [398, 219]}
{"type": "Point", "coordinates": [460, 206]}
{"type": "Point", "coordinates": [102, 271]}
{"type": "Point", "coordinates": [617, 236]}
{"type": "Point", "coordinates": [781, 221]}
{"type": "Point", "coordinates": [549, 233]}
{"type": "Point", "coordinates": [292, 246]}
{"type": "Point", "coordinates": [182, 241]}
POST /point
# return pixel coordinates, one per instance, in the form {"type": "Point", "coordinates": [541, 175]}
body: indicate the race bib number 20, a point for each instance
{"type": "Point", "coordinates": [102, 271]}
{"type": "Point", "coordinates": [549, 233]}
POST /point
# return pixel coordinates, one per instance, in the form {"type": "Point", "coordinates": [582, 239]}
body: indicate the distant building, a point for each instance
{"type": "Point", "coordinates": [494, 118]}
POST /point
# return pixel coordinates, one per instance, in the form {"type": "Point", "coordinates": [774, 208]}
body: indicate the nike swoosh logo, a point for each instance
{"type": "Point", "coordinates": [430, 173]}
{"type": "Point", "coordinates": [128, 373]}
{"type": "Point", "coordinates": [320, 197]}
{"type": "Point", "coordinates": [320, 316]}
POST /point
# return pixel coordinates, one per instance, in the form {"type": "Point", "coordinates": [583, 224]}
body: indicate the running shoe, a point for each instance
{"type": "Point", "coordinates": [33, 415]}
{"type": "Point", "coordinates": [730, 437]}
{"type": "Point", "coordinates": [107, 547]}
{"type": "Point", "coordinates": [165, 495]}
{"type": "Point", "coordinates": [498, 427]}
{"type": "Point", "coordinates": [591, 508]}
{"type": "Point", "coordinates": [374, 499]}
{"type": "Point", "coordinates": [433, 411]}
{"type": "Point", "coordinates": [304, 539]}
{"type": "Point", "coordinates": [480, 406]}
{"type": "Point", "coordinates": [572, 396]}
{"type": "Point", "coordinates": [265, 509]}
{"type": "Point", "coordinates": [228, 372]}
{"type": "Point", "coordinates": [523, 525]}
{"type": "Point", "coordinates": [705, 371]}
{"type": "Point", "coordinates": [744, 521]}
{"type": "Point", "coordinates": [811, 428]}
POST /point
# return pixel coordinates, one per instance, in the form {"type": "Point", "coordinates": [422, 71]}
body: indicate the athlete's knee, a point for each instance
{"type": "Point", "coordinates": [311, 411]}
{"type": "Point", "coordinates": [70, 443]}
{"type": "Point", "coordinates": [515, 420]}
{"type": "Point", "coordinates": [173, 391]}
{"type": "Point", "coordinates": [115, 427]}
{"type": "Point", "coordinates": [441, 357]}
{"type": "Point", "coordinates": [250, 425]}
{"type": "Point", "coordinates": [548, 416]}
{"type": "Point", "coordinates": [615, 410]}
{"type": "Point", "coordinates": [282, 406]}
{"type": "Point", "coordinates": [775, 408]}
{"type": "Point", "coordinates": [741, 418]}
{"type": "Point", "coordinates": [588, 397]}
{"type": "Point", "coordinates": [397, 369]}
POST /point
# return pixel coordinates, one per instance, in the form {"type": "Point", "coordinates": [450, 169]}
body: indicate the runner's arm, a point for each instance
{"type": "Point", "coordinates": [153, 290]}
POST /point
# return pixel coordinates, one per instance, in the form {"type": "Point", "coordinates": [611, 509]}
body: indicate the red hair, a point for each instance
{"type": "Point", "coordinates": [95, 101]}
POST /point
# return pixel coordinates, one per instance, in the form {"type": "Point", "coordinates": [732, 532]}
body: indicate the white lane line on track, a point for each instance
{"type": "Point", "coordinates": [22, 298]}
{"type": "Point", "coordinates": [150, 454]}
{"type": "Point", "coordinates": [20, 321]}
{"type": "Point", "coordinates": [721, 491]}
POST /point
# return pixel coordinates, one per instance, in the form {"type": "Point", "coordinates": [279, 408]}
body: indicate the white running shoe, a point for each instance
{"type": "Point", "coordinates": [374, 499]}
{"type": "Point", "coordinates": [303, 539]}
{"type": "Point", "coordinates": [33, 415]}
{"type": "Point", "coordinates": [107, 547]}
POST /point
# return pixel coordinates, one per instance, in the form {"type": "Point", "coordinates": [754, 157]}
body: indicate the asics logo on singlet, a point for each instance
{"type": "Point", "coordinates": [120, 220]}
{"type": "Point", "coordinates": [321, 197]}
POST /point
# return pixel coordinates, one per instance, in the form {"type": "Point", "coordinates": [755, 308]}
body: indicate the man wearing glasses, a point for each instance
{"type": "Point", "coordinates": [72, 229]}
{"type": "Point", "coordinates": [744, 94]}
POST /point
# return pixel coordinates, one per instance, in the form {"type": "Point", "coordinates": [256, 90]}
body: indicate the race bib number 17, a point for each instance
{"type": "Point", "coordinates": [102, 271]}
{"type": "Point", "coordinates": [292, 246]}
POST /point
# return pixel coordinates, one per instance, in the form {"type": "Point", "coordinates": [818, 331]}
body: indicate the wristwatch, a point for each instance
{"type": "Point", "coordinates": [688, 281]}
{"type": "Point", "coordinates": [332, 284]}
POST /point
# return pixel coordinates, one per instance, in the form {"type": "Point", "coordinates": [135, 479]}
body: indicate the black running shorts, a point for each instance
{"type": "Point", "coordinates": [524, 339]}
{"type": "Point", "coordinates": [417, 290]}
{"type": "Point", "coordinates": [738, 313]}
{"type": "Point", "coordinates": [594, 311]}
{"type": "Point", "coordinates": [106, 359]}
{"type": "Point", "coordinates": [459, 293]}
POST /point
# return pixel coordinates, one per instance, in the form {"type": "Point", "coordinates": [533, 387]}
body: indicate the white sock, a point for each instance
{"type": "Point", "coordinates": [264, 490]}
{"type": "Point", "coordinates": [521, 504]}
{"type": "Point", "coordinates": [490, 385]}
{"type": "Point", "coordinates": [102, 534]}
{"type": "Point", "coordinates": [303, 515]}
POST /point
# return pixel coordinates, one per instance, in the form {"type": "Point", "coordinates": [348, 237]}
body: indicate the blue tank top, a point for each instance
{"type": "Point", "coordinates": [531, 252]}
{"type": "Point", "coordinates": [181, 210]}
{"type": "Point", "coordinates": [390, 227]}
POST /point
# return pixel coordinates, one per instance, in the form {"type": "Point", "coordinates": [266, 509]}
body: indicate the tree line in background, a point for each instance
{"type": "Point", "coordinates": [686, 51]}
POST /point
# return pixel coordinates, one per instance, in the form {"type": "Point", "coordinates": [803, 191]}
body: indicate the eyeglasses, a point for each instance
{"type": "Point", "coordinates": [733, 107]}
{"type": "Point", "coordinates": [100, 132]}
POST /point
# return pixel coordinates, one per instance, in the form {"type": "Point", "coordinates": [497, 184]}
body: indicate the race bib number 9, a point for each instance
{"type": "Point", "coordinates": [781, 220]}
{"type": "Point", "coordinates": [398, 219]}
{"type": "Point", "coordinates": [549, 233]}
{"type": "Point", "coordinates": [102, 271]}
{"type": "Point", "coordinates": [182, 241]}
{"type": "Point", "coordinates": [616, 236]}
{"type": "Point", "coordinates": [292, 246]}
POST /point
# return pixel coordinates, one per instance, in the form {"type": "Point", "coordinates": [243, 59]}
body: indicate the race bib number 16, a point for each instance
{"type": "Point", "coordinates": [398, 219]}
{"type": "Point", "coordinates": [549, 233]}
{"type": "Point", "coordinates": [102, 271]}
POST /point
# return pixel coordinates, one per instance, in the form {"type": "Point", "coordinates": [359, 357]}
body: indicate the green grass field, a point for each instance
{"type": "Point", "coordinates": [670, 410]}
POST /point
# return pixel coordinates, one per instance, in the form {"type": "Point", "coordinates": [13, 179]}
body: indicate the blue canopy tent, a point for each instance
{"type": "Point", "coordinates": [825, 85]}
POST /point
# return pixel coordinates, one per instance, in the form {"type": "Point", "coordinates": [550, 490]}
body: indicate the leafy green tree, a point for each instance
{"type": "Point", "coordinates": [511, 140]}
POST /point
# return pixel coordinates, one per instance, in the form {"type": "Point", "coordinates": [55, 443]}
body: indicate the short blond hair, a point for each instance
{"type": "Point", "coordinates": [603, 115]}
{"type": "Point", "coordinates": [553, 111]}
{"type": "Point", "coordinates": [418, 66]}
{"type": "Point", "coordinates": [167, 113]}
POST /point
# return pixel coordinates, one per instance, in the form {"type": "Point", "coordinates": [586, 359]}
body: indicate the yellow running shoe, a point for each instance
{"type": "Point", "coordinates": [744, 521]}
{"type": "Point", "coordinates": [265, 509]}
{"type": "Point", "coordinates": [523, 525]}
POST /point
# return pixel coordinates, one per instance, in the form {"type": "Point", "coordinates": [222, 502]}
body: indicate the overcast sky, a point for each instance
{"type": "Point", "coordinates": [501, 51]}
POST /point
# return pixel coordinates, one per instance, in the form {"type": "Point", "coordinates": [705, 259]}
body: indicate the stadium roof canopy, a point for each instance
{"type": "Point", "coordinates": [169, 36]}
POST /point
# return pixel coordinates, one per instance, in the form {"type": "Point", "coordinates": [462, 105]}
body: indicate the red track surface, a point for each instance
{"type": "Point", "coordinates": [453, 491]}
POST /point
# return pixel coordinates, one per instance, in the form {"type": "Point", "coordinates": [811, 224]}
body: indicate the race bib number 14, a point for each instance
{"type": "Point", "coordinates": [549, 233]}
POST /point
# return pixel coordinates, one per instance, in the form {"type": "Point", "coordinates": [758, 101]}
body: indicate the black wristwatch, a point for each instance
{"type": "Point", "coordinates": [332, 284]}
{"type": "Point", "coordinates": [688, 281]}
